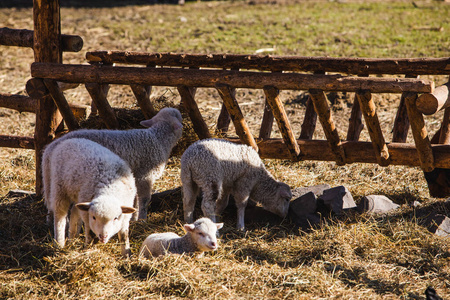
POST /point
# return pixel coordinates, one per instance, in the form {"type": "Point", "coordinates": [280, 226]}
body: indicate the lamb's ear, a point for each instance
{"type": "Point", "coordinates": [176, 124]}
{"type": "Point", "coordinates": [147, 123]}
{"type": "Point", "coordinates": [189, 227]}
{"type": "Point", "coordinates": [128, 210]}
{"type": "Point", "coordinates": [285, 192]}
{"type": "Point", "coordinates": [219, 225]}
{"type": "Point", "coordinates": [83, 206]}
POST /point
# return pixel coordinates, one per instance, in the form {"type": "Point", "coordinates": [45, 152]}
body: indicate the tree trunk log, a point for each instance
{"type": "Point", "coordinates": [323, 111]}
{"type": "Point", "coordinates": [373, 125]}
{"type": "Point", "coordinates": [355, 125]}
{"type": "Point", "coordinates": [235, 79]}
{"type": "Point", "coordinates": [429, 104]}
{"type": "Point", "coordinates": [273, 98]}
{"type": "Point", "coordinates": [18, 102]}
{"type": "Point", "coordinates": [187, 98]}
{"type": "Point", "coordinates": [242, 129]}
{"type": "Point", "coordinates": [357, 66]}
{"type": "Point", "coordinates": [309, 121]}
{"type": "Point", "coordinates": [420, 134]}
{"type": "Point", "coordinates": [401, 123]}
{"type": "Point", "coordinates": [47, 49]}
{"type": "Point", "coordinates": [267, 122]}
{"type": "Point", "coordinates": [24, 38]}
{"type": "Point", "coordinates": [444, 136]}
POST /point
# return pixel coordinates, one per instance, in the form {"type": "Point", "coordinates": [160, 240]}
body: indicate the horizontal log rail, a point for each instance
{"type": "Point", "coordinates": [429, 104]}
{"type": "Point", "coordinates": [355, 152]}
{"type": "Point", "coordinates": [357, 66]}
{"type": "Point", "coordinates": [24, 38]}
{"type": "Point", "coordinates": [236, 79]}
{"type": "Point", "coordinates": [16, 142]}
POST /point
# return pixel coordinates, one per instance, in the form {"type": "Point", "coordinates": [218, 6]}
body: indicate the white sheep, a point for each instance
{"type": "Point", "coordinates": [200, 236]}
{"type": "Point", "coordinates": [145, 150]}
{"type": "Point", "coordinates": [99, 185]}
{"type": "Point", "coordinates": [219, 168]}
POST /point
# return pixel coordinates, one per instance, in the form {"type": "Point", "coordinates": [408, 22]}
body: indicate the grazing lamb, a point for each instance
{"type": "Point", "coordinates": [200, 236]}
{"type": "Point", "coordinates": [95, 181]}
{"type": "Point", "coordinates": [220, 168]}
{"type": "Point", "coordinates": [145, 150]}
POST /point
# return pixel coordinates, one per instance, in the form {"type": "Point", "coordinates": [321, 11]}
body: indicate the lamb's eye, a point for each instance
{"type": "Point", "coordinates": [93, 217]}
{"type": "Point", "coordinates": [116, 218]}
{"type": "Point", "coordinates": [201, 234]}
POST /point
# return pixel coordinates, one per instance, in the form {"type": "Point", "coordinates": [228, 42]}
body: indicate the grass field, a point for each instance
{"type": "Point", "coordinates": [350, 257]}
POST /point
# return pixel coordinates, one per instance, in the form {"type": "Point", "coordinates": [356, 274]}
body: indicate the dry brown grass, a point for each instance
{"type": "Point", "coordinates": [349, 257]}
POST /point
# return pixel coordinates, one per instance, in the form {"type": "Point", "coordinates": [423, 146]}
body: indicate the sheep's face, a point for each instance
{"type": "Point", "coordinates": [203, 232]}
{"type": "Point", "coordinates": [280, 204]}
{"type": "Point", "coordinates": [106, 220]}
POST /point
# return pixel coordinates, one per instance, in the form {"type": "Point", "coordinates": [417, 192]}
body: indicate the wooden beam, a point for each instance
{"type": "Point", "coordinates": [404, 154]}
{"type": "Point", "coordinates": [62, 104]}
{"type": "Point", "coordinates": [25, 38]}
{"type": "Point", "coordinates": [420, 134]}
{"type": "Point", "coordinates": [431, 103]}
{"type": "Point", "coordinates": [355, 125]}
{"type": "Point", "coordinates": [20, 103]}
{"type": "Point", "coordinates": [401, 123]}
{"type": "Point", "coordinates": [444, 136]}
{"type": "Point", "coordinates": [236, 79]}
{"type": "Point", "coordinates": [16, 142]}
{"type": "Point", "coordinates": [362, 66]}
{"type": "Point", "coordinates": [98, 94]}
{"type": "Point", "coordinates": [232, 106]}
{"type": "Point", "coordinates": [188, 99]}
{"type": "Point", "coordinates": [373, 126]}
{"type": "Point", "coordinates": [142, 94]}
{"type": "Point", "coordinates": [36, 88]}
{"type": "Point", "coordinates": [273, 98]}
{"type": "Point", "coordinates": [319, 99]}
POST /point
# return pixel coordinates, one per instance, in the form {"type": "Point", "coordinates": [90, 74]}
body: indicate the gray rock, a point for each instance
{"type": "Point", "coordinates": [439, 225]}
{"type": "Point", "coordinates": [304, 205]}
{"type": "Point", "coordinates": [316, 189]}
{"type": "Point", "coordinates": [338, 199]}
{"type": "Point", "coordinates": [377, 204]}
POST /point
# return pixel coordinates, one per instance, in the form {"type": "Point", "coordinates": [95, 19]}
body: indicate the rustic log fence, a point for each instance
{"type": "Point", "coordinates": [225, 73]}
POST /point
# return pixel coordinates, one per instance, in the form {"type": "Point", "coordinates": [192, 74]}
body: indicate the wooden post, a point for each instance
{"type": "Point", "coordinates": [142, 94]}
{"type": "Point", "coordinates": [319, 99]}
{"type": "Point", "coordinates": [98, 95]}
{"type": "Point", "coordinates": [309, 121]}
{"type": "Point", "coordinates": [444, 136]}
{"type": "Point", "coordinates": [23, 142]}
{"type": "Point", "coordinates": [224, 119]}
{"type": "Point", "coordinates": [273, 98]}
{"type": "Point", "coordinates": [420, 134]}
{"type": "Point", "coordinates": [355, 125]}
{"type": "Point", "coordinates": [47, 48]}
{"type": "Point", "coordinates": [267, 122]}
{"type": "Point", "coordinates": [430, 103]}
{"type": "Point", "coordinates": [242, 129]}
{"type": "Point", "coordinates": [373, 125]}
{"type": "Point", "coordinates": [187, 98]}
{"type": "Point", "coordinates": [401, 123]}
{"type": "Point", "coordinates": [62, 104]}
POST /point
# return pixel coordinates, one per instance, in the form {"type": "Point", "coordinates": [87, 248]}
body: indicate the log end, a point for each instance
{"type": "Point", "coordinates": [428, 104]}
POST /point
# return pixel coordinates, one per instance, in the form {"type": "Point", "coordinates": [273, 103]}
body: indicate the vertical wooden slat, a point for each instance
{"type": "Point", "coordinates": [355, 125]}
{"type": "Point", "coordinates": [322, 109]}
{"type": "Point", "coordinates": [423, 144]}
{"type": "Point", "coordinates": [373, 126]}
{"type": "Point", "coordinates": [444, 136]}
{"type": "Point", "coordinates": [47, 48]}
{"type": "Point", "coordinates": [309, 121]}
{"type": "Point", "coordinates": [267, 122]}
{"type": "Point", "coordinates": [401, 123]}
{"type": "Point", "coordinates": [142, 94]}
{"type": "Point", "coordinates": [232, 106]}
{"type": "Point", "coordinates": [273, 98]}
{"type": "Point", "coordinates": [187, 98]}
{"type": "Point", "coordinates": [98, 95]}
{"type": "Point", "coordinates": [62, 104]}
{"type": "Point", "coordinates": [224, 119]}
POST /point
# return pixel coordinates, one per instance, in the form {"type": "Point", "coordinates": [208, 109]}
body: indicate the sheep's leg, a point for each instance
{"type": "Point", "coordinates": [124, 240]}
{"type": "Point", "coordinates": [144, 194]}
{"type": "Point", "coordinates": [87, 228]}
{"type": "Point", "coordinates": [59, 224]}
{"type": "Point", "coordinates": [210, 196]}
{"type": "Point", "coordinates": [241, 204]}
{"type": "Point", "coordinates": [190, 192]}
{"type": "Point", "coordinates": [74, 223]}
{"type": "Point", "coordinates": [222, 203]}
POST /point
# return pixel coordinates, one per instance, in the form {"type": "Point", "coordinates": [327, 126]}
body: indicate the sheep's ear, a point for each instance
{"type": "Point", "coordinates": [219, 225]}
{"type": "Point", "coordinates": [189, 227]}
{"type": "Point", "coordinates": [176, 124]}
{"type": "Point", "coordinates": [127, 209]}
{"type": "Point", "coordinates": [147, 123]}
{"type": "Point", "coordinates": [285, 191]}
{"type": "Point", "coordinates": [83, 206]}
